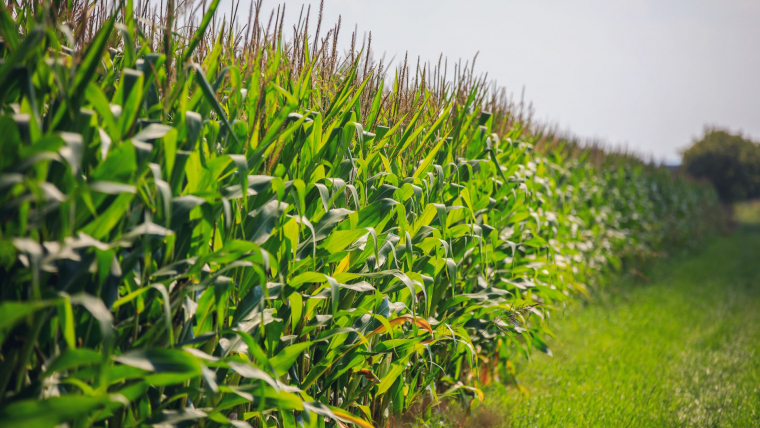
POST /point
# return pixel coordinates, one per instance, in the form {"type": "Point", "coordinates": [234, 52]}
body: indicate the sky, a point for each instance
{"type": "Point", "coordinates": [648, 75]}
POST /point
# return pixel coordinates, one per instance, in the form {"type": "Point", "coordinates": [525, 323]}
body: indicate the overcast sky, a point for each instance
{"type": "Point", "coordinates": [649, 74]}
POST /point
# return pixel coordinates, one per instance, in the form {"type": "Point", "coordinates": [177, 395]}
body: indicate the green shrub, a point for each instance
{"type": "Point", "coordinates": [242, 231]}
{"type": "Point", "coordinates": [730, 162]}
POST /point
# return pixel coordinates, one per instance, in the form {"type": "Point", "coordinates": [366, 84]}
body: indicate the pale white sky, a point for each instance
{"type": "Point", "coordinates": [649, 74]}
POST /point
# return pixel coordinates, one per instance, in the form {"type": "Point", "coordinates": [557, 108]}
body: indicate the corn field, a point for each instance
{"type": "Point", "coordinates": [229, 224]}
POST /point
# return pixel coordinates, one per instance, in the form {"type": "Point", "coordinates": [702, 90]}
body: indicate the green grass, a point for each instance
{"type": "Point", "coordinates": [748, 212]}
{"type": "Point", "coordinates": [683, 350]}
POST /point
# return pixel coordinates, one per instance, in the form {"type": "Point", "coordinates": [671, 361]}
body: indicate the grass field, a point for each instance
{"type": "Point", "coordinates": [748, 213]}
{"type": "Point", "coordinates": [681, 350]}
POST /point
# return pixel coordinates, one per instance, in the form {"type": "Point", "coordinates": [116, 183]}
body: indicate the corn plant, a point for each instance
{"type": "Point", "coordinates": [220, 225]}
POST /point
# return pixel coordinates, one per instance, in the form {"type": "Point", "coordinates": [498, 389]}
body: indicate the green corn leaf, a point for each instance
{"type": "Point", "coordinates": [52, 411]}
{"type": "Point", "coordinates": [19, 57]}
{"type": "Point", "coordinates": [264, 220]}
{"type": "Point", "coordinates": [210, 96]}
{"type": "Point", "coordinates": [200, 32]}
{"type": "Point", "coordinates": [166, 366]}
{"type": "Point", "coordinates": [285, 359]}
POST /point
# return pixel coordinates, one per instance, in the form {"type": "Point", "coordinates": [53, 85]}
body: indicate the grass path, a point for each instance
{"type": "Point", "coordinates": [681, 351]}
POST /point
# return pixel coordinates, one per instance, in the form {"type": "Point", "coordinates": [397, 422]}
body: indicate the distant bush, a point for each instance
{"type": "Point", "coordinates": [730, 162]}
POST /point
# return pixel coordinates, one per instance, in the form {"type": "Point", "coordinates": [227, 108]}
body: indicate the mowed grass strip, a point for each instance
{"type": "Point", "coordinates": [683, 350]}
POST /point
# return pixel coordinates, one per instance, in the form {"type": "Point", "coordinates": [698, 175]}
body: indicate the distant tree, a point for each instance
{"type": "Point", "coordinates": [731, 162]}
